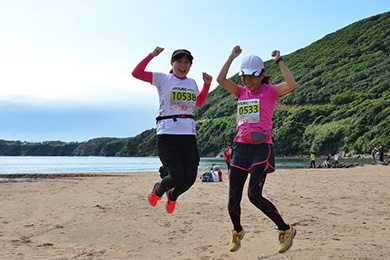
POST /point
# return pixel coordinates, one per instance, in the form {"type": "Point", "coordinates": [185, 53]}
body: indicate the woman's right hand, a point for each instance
{"type": "Point", "coordinates": [157, 51]}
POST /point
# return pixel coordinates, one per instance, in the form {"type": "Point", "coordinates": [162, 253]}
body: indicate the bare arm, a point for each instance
{"type": "Point", "coordinates": [289, 84]}
{"type": "Point", "coordinates": [227, 84]}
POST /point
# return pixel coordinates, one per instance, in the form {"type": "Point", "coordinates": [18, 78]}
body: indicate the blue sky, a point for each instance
{"type": "Point", "coordinates": [65, 65]}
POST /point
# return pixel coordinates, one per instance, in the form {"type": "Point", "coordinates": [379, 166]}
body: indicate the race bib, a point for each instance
{"type": "Point", "coordinates": [183, 98]}
{"type": "Point", "coordinates": [248, 111]}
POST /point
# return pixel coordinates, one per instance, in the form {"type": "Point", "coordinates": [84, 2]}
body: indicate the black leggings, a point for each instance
{"type": "Point", "coordinates": [180, 157]}
{"type": "Point", "coordinates": [256, 184]}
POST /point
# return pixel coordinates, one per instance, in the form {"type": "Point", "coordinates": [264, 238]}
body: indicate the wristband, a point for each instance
{"type": "Point", "coordinates": [278, 60]}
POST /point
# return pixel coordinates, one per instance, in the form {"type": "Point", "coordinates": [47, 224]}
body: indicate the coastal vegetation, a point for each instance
{"type": "Point", "coordinates": [341, 103]}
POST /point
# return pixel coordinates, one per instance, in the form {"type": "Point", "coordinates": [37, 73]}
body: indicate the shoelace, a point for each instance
{"type": "Point", "coordinates": [169, 199]}
{"type": "Point", "coordinates": [154, 193]}
{"type": "Point", "coordinates": [172, 202]}
{"type": "Point", "coordinates": [235, 237]}
{"type": "Point", "coordinates": [283, 236]}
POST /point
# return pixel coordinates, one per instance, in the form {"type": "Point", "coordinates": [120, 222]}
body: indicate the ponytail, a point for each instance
{"type": "Point", "coordinates": [266, 79]}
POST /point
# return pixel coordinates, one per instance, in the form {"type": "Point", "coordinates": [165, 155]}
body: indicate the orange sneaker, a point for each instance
{"type": "Point", "coordinates": [152, 197]}
{"type": "Point", "coordinates": [170, 205]}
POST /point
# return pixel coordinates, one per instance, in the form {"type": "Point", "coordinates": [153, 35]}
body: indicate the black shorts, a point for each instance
{"type": "Point", "coordinates": [245, 156]}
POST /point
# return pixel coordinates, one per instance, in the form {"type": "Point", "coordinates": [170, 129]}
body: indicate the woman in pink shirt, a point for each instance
{"type": "Point", "coordinates": [253, 153]}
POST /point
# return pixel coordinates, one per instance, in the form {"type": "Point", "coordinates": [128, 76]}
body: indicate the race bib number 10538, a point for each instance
{"type": "Point", "coordinates": [177, 95]}
{"type": "Point", "coordinates": [183, 98]}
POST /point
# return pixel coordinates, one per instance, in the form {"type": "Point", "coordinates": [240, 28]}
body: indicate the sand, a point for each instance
{"type": "Point", "coordinates": [338, 213]}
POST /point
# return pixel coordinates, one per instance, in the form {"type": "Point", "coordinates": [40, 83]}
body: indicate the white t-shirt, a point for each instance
{"type": "Point", "coordinates": [177, 96]}
{"type": "Point", "coordinates": [215, 176]}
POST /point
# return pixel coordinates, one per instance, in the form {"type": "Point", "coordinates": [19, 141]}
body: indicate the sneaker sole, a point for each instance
{"type": "Point", "coordinates": [292, 240]}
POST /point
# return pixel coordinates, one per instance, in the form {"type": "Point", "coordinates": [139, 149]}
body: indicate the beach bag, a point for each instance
{"type": "Point", "coordinates": [254, 135]}
{"type": "Point", "coordinates": [207, 177]}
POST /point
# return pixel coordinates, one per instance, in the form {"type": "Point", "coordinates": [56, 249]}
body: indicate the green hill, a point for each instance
{"type": "Point", "coordinates": [342, 99]}
{"type": "Point", "coordinates": [341, 103]}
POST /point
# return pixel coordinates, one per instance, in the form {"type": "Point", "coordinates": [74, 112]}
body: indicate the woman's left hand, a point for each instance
{"type": "Point", "coordinates": [207, 78]}
{"type": "Point", "coordinates": [275, 55]}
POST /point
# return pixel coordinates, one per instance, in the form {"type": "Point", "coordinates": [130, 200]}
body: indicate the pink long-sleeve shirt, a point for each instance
{"type": "Point", "coordinates": [176, 96]}
{"type": "Point", "coordinates": [140, 73]}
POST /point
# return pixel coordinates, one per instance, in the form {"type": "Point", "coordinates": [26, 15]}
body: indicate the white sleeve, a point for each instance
{"type": "Point", "coordinates": [158, 78]}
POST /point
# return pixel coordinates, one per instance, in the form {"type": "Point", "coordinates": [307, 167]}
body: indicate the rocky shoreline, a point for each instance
{"type": "Point", "coordinates": [337, 164]}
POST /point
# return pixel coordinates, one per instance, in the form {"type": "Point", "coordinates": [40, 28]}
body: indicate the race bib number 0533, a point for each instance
{"type": "Point", "coordinates": [248, 111]}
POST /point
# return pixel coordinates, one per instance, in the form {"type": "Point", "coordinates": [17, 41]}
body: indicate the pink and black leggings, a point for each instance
{"type": "Point", "coordinates": [257, 179]}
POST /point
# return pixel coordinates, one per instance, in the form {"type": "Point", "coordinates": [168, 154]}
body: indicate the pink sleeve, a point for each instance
{"type": "Point", "coordinates": [139, 71]}
{"type": "Point", "coordinates": [202, 95]}
{"type": "Point", "coordinates": [239, 91]}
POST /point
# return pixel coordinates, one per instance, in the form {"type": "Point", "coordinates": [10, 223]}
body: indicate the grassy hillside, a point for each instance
{"type": "Point", "coordinates": [342, 98]}
{"type": "Point", "coordinates": [341, 103]}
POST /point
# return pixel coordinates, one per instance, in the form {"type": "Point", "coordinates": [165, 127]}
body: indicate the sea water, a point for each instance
{"type": "Point", "coordinates": [60, 164]}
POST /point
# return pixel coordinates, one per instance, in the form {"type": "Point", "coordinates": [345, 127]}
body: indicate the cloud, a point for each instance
{"type": "Point", "coordinates": [31, 74]}
{"type": "Point", "coordinates": [45, 95]}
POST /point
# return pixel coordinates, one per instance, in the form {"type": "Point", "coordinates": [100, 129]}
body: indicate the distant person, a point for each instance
{"type": "Point", "coordinates": [227, 154]}
{"type": "Point", "coordinates": [326, 162]}
{"type": "Point", "coordinates": [216, 171]}
{"type": "Point", "coordinates": [214, 175]}
{"type": "Point", "coordinates": [380, 152]}
{"type": "Point", "coordinates": [252, 150]}
{"type": "Point", "coordinates": [373, 153]}
{"type": "Point", "coordinates": [312, 160]}
{"type": "Point", "coordinates": [207, 177]}
{"type": "Point", "coordinates": [176, 139]}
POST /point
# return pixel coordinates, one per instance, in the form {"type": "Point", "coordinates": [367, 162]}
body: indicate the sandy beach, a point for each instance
{"type": "Point", "coordinates": [338, 213]}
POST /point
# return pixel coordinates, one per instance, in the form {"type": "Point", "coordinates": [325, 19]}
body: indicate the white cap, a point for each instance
{"type": "Point", "coordinates": [251, 65]}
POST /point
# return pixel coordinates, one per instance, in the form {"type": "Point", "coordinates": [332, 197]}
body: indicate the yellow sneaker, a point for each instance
{"type": "Point", "coordinates": [235, 242]}
{"type": "Point", "coordinates": [286, 239]}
